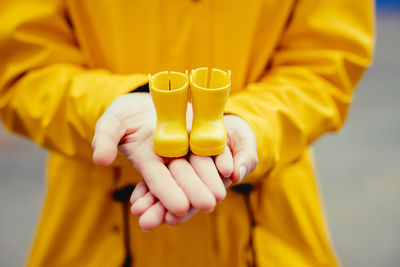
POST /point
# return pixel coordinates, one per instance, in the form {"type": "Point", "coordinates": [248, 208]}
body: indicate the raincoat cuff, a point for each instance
{"type": "Point", "coordinates": [104, 88]}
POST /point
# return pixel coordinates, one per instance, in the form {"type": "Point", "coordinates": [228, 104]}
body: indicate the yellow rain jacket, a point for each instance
{"type": "Point", "coordinates": [294, 67]}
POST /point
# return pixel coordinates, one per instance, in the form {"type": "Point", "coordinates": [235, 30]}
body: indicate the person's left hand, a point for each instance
{"type": "Point", "coordinates": [241, 152]}
{"type": "Point", "coordinates": [152, 213]}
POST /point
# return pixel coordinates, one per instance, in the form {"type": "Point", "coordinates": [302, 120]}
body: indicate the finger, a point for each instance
{"type": "Point", "coordinates": [208, 173]}
{"type": "Point", "coordinates": [108, 133]}
{"type": "Point", "coordinates": [245, 160]}
{"type": "Point", "coordinates": [243, 144]}
{"type": "Point", "coordinates": [161, 183]}
{"type": "Point", "coordinates": [224, 162]}
{"type": "Point", "coordinates": [244, 163]}
{"type": "Point", "coordinates": [139, 191]}
{"type": "Point", "coordinates": [199, 195]}
{"type": "Point", "coordinates": [153, 217]}
{"type": "Point", "coordinates": [143, 204]}
{"type": "Point", "coordinates": [173, 220]}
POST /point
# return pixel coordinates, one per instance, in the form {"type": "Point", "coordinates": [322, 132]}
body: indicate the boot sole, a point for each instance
{"type": "Point", "coordinates": [171, 153]}
{"type": "Point", "coordinates": [207, 151]}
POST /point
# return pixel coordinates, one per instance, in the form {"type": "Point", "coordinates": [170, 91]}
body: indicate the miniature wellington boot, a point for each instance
{"type": "Point", "coordinates": [169, 91]}
{"type": "Point", "coordinates": [208, 134]}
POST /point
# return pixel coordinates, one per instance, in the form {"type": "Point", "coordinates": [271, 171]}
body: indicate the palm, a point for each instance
{"type": "Point", "coordinates": [242, 143]}
{"type": "Point", "coordinates": [177, 183]}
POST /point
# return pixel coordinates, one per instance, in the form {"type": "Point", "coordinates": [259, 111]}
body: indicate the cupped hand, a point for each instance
{"type": "Point", "coordinates": [242, 148]}
{"type": "Point", "coordinates": [176, 184]}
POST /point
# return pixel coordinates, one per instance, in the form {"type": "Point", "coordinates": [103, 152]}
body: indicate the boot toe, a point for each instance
{"type": "Point", "coordinates": [172, 142]}
{"type": "Point", "coordinates": [208, 141]}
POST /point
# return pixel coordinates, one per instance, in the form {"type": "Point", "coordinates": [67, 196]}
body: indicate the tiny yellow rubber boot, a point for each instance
{"type": "Point", "coordinates": [169, 91]}
{"type": "Point", "coordinates": [208, 135]}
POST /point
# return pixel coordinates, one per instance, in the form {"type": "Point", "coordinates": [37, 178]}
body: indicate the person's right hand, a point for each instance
{"type": "Point", "coordinates": [128, 124]}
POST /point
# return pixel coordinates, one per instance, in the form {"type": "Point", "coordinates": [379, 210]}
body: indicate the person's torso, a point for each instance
{"type": "Point", "coordinates": [151, 36]}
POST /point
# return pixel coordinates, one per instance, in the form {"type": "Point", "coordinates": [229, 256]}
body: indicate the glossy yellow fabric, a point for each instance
{"type": "Point", "coordinates": [294, 67]}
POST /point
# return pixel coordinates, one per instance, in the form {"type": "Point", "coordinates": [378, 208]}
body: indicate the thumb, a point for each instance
{"type": "Point", "coordinates": [108, 133]}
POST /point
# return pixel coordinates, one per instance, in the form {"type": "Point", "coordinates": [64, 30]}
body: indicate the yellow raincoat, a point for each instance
{"type": "Point", "coordinates": [294, 67]}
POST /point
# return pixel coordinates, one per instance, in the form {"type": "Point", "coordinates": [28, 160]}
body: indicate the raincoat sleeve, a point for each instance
{"type": "Point", "coordinates": [46, 91]}
{"type": "Point", "coordinates": [308, 86]}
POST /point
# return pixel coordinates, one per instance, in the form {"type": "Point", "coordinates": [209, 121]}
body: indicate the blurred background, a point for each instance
{"type": "Point", "coordinates": [359, 168]}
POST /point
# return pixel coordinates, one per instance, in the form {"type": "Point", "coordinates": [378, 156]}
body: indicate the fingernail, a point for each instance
{"type": "Point", "coordinates": [243, 171]}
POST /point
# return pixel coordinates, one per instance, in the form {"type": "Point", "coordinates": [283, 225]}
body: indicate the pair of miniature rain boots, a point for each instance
{"type": "Point", "coordinates": [170, 94]}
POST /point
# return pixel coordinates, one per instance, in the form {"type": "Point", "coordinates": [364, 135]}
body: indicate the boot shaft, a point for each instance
{"type": "Point", "coordinates": [169, 91]}
{"type": "Point", "coordinates": [209, 103]}
{"type": "Point", "coordinates": [208, 136]}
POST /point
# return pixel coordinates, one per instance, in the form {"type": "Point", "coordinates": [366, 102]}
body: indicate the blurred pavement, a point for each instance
{"type": "Point", "coordinates": [359, 170]}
